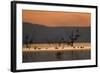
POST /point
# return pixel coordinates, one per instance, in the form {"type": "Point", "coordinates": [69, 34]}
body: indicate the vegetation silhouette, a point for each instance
{"type": "Point", "coordinates": [32, 33]}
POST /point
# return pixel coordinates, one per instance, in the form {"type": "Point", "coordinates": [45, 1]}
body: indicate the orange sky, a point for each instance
{"type": "Point", "coordinates": [54, 19]}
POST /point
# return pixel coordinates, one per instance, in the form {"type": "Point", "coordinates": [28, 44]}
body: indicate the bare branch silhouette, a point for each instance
{"type": "Point", "coordinates": [73, 37]}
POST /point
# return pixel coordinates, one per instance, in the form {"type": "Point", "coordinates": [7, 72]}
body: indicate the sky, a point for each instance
{"type": "Point", "coordinates": [57, 19]}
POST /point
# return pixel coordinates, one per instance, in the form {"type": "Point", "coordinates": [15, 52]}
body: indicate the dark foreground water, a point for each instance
{"type": "Point", "coordinates": [44, 56]}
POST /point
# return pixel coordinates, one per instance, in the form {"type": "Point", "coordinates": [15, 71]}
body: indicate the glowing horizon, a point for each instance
{"type": "Point", "coordinates": [56, 19]}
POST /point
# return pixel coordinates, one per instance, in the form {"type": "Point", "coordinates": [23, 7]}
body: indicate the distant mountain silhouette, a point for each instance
{"type": "Point", "coordinates": [37, 33]}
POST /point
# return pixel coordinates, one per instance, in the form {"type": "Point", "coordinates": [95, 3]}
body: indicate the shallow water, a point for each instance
{"type": "Point", "coordinates": [44, 56]}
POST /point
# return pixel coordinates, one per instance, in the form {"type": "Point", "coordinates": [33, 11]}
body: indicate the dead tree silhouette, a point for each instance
{"type": "Point", "coordinates": [26, 41]}
{"type": "Point", "coordinates": [73, 37]}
